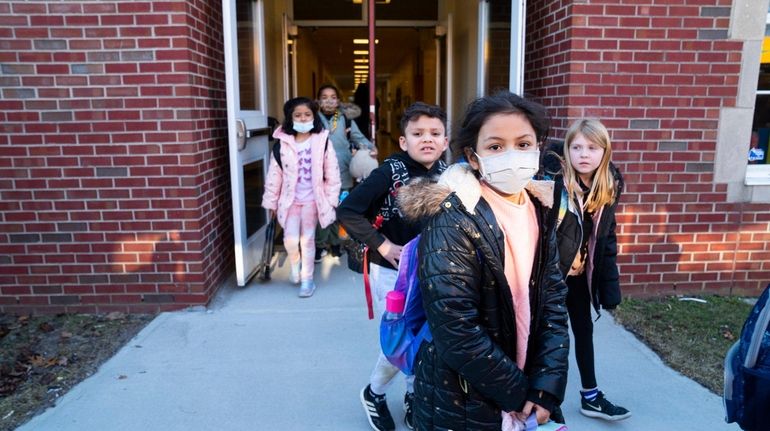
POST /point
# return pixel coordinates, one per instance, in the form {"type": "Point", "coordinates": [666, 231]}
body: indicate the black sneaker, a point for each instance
{"type": "Point", "coordinates": [336, 251]}
{"type": "Point", "coordinates": [319, 254]}
{"type": "Point", "coordinates": [409, 410]}
{"type": "Point", "coordinates": [601, 408]}
{"type": "Point", "coordinates": [376, 408]}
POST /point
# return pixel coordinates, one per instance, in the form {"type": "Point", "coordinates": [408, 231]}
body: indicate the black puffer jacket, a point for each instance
{"type": "Point", "coordinates": [605, 278]}
{"type": "Point", "coordinates": [468, 374]}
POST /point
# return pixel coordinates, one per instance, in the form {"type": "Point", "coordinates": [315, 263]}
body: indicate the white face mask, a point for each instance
{"type": "Point", "coordinates": [303, 127]}
{"type": "Point", "coordinates": [509, 172]}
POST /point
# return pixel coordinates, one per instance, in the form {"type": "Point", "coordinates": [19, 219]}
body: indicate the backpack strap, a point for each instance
{"type": "Point", "coordinates": [277, 151]}
{"type": "Point", "coordinates": [367, 284]}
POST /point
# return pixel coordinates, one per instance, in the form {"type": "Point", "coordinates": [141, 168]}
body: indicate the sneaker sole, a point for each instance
{"type": "Point", "coordinates": [606, 417]}
{"type": "Point", "coordinates": [406, 423]}
{"type": "Point", "coordinates": [366, 409]}
{"type": "Point", "coordinates": [306, 294]}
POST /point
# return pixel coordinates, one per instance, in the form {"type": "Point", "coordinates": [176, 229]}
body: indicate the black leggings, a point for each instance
{"type": "Point", "coordinates": [579, 309]}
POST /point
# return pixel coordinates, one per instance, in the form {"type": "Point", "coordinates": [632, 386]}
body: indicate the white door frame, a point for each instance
{"type": "Point", "coordinates": [516, 68]}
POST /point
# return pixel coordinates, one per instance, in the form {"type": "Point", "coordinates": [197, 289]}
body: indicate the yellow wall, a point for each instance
{"type": "Point", "coordinates": [274, 10]}
{"type": "Point", "coordinates": [464, 22]}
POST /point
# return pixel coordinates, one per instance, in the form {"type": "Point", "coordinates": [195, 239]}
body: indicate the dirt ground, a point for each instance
{"type": "Point", "coordinates": [42, 357]}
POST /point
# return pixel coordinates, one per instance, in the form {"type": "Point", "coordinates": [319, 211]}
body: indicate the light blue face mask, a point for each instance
{"type": "Point", "coordinates": [302, 127]}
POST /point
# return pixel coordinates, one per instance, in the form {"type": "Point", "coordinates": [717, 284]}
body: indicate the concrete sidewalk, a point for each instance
{"type": "Point", "coordinates": [259, 358]}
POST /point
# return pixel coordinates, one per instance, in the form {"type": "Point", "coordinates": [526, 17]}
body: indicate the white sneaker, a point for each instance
{"type": "Point", "coordinates": [295, 268]}
{"type": "Point", "coordinates": [306, 289]}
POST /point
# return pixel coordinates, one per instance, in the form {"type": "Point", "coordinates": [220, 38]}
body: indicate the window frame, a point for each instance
{"type": "Point", "coordinates": [748, 20]}
{"type": "Point", "coordinates": [759, 174]}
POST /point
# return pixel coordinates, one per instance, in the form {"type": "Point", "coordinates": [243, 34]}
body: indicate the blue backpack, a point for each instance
{"type": "Point", "coordinates": [401, 338]}
{"type": "Point", "coordinates": [747, 371]}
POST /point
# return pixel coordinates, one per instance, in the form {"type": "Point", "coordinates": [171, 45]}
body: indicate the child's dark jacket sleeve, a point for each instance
{"type": "Point", "coordinates": [358, 209]}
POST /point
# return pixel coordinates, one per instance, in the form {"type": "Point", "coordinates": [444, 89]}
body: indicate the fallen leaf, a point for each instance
{"type": "Point", "coordinates": [66, 334]}
{"type": "Point", "coordinates": [38, 361]}
{"type": "Point", "coordinates": [728, 334]}
{"type": "Point", "coordinates": [45, 327]}
{"type": "Point", "coordinates": [115, 315]}
{"type": "Point", "coordinates": [63, 361]}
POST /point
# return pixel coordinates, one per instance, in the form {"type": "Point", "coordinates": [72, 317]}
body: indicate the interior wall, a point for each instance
{"type": "Point", "coordinates": [311, 72]}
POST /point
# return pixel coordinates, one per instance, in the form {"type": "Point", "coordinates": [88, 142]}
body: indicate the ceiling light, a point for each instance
{"type": "Point", "coordinates": [361, 52]}
{"type": "Point", "coordinates": [364, 41]}
{"type": "Point", "coordinates": [360, 66]}
{"type": "Point", "coordinates": [360, 60]}
{"type": "Point", "coordinates": [378, 1]}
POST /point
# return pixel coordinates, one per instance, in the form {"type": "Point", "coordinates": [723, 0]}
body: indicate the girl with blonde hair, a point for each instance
{"type": "Point", "coordinates": [586, 195]}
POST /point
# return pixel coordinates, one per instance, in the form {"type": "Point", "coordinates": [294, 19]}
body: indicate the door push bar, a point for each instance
{"type": "Point", "coordinates": [242, 133]}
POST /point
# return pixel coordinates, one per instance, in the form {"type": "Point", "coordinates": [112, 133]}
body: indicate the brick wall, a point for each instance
{"type": "Point", "coordinates": [657, 73]}
{"type": "Point", "coordinates": [113, 175]}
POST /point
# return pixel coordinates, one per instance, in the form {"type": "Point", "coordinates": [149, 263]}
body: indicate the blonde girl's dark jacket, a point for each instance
{"type": "Point", "coordinates": [467, 375]}
{"type": "Point", "coordinates": [604, 280]}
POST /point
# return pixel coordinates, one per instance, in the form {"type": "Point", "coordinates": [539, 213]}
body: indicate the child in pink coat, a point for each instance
{"type": "Point", "coordinates": [305, 189]}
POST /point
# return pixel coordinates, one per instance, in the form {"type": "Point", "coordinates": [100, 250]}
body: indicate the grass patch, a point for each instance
{"type": "Point", "coordinates": [42, 357]}
{"type": "Point", "coordinates": [691, 337]}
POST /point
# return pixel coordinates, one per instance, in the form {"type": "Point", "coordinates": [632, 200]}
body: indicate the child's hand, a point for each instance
{"type": "Point", "coordinates": [373, 152]}
{"type": "Point", "coordinates": [391, 252]}
{"type": "Point", "coordinates": [541, 413]}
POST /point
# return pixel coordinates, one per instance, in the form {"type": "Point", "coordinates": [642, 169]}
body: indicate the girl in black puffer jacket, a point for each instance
{"type": "Point", "coordinates": [586, 195]}
{"type": "Point", "coordinates": [492, 291]}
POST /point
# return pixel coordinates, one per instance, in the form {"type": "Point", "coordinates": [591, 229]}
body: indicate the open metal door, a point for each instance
{"type": "Point", "coordinates": [248, 132]}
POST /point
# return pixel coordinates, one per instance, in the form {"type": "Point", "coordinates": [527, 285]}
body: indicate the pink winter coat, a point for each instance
{"type": "Point", "coordinates": [282, 181]}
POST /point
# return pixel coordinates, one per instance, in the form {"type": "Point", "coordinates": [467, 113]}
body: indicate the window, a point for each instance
{"type": "Point", "coordinates": [749, 119]}
{"type": "Point", "coordinates": [758, 171]}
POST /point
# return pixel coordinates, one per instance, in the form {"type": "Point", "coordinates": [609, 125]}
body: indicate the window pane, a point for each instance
{"type": "Point", "coordinates": [326, 10]}
{"type": "Point", "coordinates": [498, 67]}
{"type": "Point", "coordinates": [248, 56]}
{"type": "Point", "coordinates": [253, 188]}
{"type": "Point", "coordinates": [760, 129]}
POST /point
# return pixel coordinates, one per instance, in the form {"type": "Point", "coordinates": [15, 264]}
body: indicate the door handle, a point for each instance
{"type": "Point", "coordinates": [242, 133]}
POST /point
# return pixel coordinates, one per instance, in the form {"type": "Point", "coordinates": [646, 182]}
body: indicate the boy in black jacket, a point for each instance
{"type": "Point", "coordinates": [423, 141]}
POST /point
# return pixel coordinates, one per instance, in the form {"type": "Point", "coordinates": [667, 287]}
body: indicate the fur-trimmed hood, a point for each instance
{"type": "Point", "coordinates": [422, 197]}
{"type": "Point", "coordinates": [350, 110]}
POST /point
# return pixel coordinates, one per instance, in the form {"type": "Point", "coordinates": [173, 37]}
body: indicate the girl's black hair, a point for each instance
{"type": "Point", "coordinates": [288, 110]}
{"type": "Point", "coordinates": [503, 102]}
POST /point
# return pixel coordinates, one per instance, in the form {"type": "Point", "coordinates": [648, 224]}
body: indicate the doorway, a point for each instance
{"type": "Point", "coordinates": [432, 50]}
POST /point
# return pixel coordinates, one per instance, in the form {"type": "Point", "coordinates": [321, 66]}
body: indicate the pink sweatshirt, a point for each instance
{"type": "Point", "coordinates": [519, 224]}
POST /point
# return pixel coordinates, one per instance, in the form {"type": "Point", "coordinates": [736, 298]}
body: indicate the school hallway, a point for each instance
{"type": "Point", "coordinates": [259, 358]}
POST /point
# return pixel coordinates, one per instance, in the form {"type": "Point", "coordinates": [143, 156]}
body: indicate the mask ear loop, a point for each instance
{"type": "Point", "coordinates": [479, 174]}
